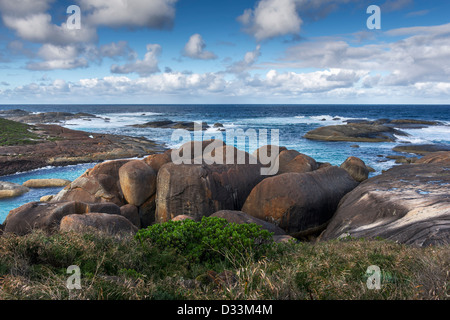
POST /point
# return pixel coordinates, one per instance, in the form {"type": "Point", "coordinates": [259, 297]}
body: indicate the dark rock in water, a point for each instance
{"type": "Point", "coordinates": [44, 117]}
{"type": "Point", "coordinates": [240, 217]}
{"type": "Point", "coordinates": [398, 123]}
{"type": "Point", "coordinates": [361, 130]}
{"type": "Point", "coordinates": [357, 132]}
{"type": "Point", "coordinates": [409, 204]}
{"type": "Point", "coordinates": [13, 113]}
{"type": "Point", "coordinates": [169, 124]}
{"type": "Point", "coordinates": [218, 125]}
{"type": "Point", "coordinates": [356, 168]}
{"type": "Point", "coordinates": [421, 149]}
{"type": "Point", "coordinates": [200, 190]}
{"type": "Point", "coordinates": [297, 202]}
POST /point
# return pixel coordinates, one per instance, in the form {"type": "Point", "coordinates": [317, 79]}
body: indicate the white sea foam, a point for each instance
{"type": "Point", "coordinates": [431, 134]}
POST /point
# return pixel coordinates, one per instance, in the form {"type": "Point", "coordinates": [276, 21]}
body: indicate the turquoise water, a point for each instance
{"type": "Point", "coordinates": [292, 122]}
{"type": "Point", "coordinates": [69, 173]}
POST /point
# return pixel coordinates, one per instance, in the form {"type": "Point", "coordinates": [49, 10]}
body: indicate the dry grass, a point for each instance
{"type": "Point", "coordinates": [34, 267]}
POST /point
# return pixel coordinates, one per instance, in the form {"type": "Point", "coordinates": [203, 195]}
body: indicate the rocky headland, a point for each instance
{"type": "Point", "coordinates": [25, 147]}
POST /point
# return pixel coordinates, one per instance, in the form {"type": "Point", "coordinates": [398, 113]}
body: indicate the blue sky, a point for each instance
{"type": "Point", "coordinates": [224, 51]}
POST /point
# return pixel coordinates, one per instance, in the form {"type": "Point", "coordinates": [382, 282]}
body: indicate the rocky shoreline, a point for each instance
{"type": "Point", "coordinates": [303, 200]}
{"type": "Point", "coordinates": [58, 146]}
{"type": "Point", "coordinates": [307, 200]}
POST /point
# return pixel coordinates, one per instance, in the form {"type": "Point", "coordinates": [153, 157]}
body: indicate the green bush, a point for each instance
{"type": "Point", "coordinates": [210, 240]}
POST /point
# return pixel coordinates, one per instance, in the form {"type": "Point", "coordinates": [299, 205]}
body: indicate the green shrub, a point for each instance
{"type": "Point", "coordinates": [210, 240]}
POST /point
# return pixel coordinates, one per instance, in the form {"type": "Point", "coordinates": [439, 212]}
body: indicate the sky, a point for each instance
{"type": "Point", "coordinates": [224, 52]}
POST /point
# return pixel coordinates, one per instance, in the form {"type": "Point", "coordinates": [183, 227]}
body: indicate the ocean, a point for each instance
{"type": "Point", "coordinates": [291, 121]}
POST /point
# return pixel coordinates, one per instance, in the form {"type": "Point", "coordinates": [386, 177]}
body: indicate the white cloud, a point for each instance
{"type": "Point", "coordinates": [143, 67]}
{"type": "Point", "coordinates": [242, 66]}
{"type": "Point", "coordinates": [195, 49]}
{"type": "Point", "coordinates": [58, 57]}
{"type": "Point", "coordinates": [38, 27]}
{"type": "Point", "coordinates": [422, 57]}
{"type": "Point", "coordinates": [271, 18]}
{"type": "Point", "coordinates": [157, 14]}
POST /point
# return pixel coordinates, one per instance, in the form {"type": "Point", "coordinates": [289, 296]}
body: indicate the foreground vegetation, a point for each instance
{"type": "Point", "coordinates": [127, 267]}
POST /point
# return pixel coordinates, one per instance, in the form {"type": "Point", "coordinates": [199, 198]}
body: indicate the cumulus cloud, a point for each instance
{"type": "Point", "coordinates": [143, 67]}
{"type": "Point", "coordinates": [157, 14]}
{"type": "Point", "coordinates": [243, 65]}
{"type": "Point", "coordinates": [423, 56]}
{"type": "Point", "coordinates": [195, 49]}
{"type": "Point", "coordinates": [271, 18]}
{"type": "Point", "coordinates": [58, 57]}
{"type": "Point", "coordinates": [31, 21]}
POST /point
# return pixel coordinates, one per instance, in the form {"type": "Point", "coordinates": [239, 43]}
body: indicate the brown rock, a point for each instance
{"type": "Point", "coordinates": [109, 223]}
{"type": "Point", "coordinates": [99, 184]}
{"type": "Point", "coordinates": [46, 183]}
{"type": "Point", "coordinates": [41, 215]}
{"type": "Point", "coordinates": [441, 157]}
{"type": "Point", "coordinates": [137, 182]}
{"type": "Point", "coordinates": [147, 212]}
{"type": "Point", "coordinates": [156, 161]}
{"type": "Point", "coordinates": [131, 212]}
{"type": "Point", "coordinates": [299, 201]}
{"type": "Point", "coordinates": [182, 217]}
{"type": "Point", "coordinates": [10, 190]}
{"type": "Point", "coordinates": [294, 161]}
{"type": "Point", "coordinates": [356, 168]}
{"type": "Point", "coordinates": [408, 204]}
{"type": "Point", "coordinates": [201, 190]}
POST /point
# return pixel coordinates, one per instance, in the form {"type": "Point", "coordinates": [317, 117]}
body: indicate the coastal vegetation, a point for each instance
{"type": "Point", "coordinates": [14, 133]}
{"type": "Point", "coordinates": [125, 267]}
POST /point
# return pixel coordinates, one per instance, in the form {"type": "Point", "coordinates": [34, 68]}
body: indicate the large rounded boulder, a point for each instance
{"type": "Point", "coordinates": [356, 168]}
{"type": "Point", "coordinates": [407, 204]}
{"type": "Point", "coordinates": [137, 182]}
{"type": "Point", "coordinates": [103, 222]}
{"type": "Point", "coordinates": [298, 202]}
{"type": "Point", "coordinates": [99, 184]}
{"type": "Point", "coordinates": [200, 190]}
